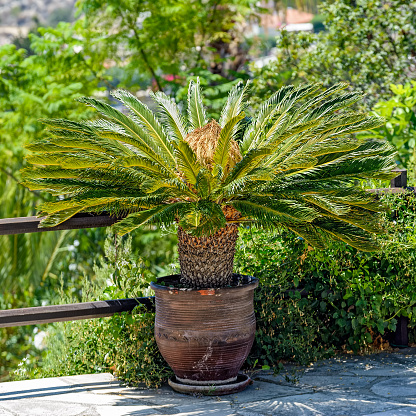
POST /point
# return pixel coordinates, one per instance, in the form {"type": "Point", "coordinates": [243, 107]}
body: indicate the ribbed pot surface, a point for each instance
{"type": "Point", "coordinates": [205, 335]}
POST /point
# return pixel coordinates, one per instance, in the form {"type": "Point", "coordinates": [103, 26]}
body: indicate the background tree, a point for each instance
{"type": "Point", "coordinates": [369, 43]}
{"type": "Point", "coordinates": [166, 37]}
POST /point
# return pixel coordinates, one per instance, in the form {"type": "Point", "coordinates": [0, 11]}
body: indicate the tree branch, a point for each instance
{"type": "Point", "coordinates": [132, 26]}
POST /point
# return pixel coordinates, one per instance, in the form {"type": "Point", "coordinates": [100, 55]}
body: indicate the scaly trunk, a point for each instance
{"type": "Point", "coordinates": [207, 261]}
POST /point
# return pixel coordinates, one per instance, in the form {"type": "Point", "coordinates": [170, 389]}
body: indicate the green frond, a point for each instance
{"type": "Point", "coordinates": [47, 147]}
{"type": "Point", "coordinates": [236, 103]}
{"type": "Point", "coordinates": [140, 144]}
{"type": "Point", "coordinates": [74, 126]}
{"type": "Point", "coordinates": [249, 162]}
{"type": "Point", "coordinates": [330, 146]}
{"type": "Point", "coordinates": [327, 203]}
{"type": "Point", "coordinates": [348, 233]}
{"type": "Point", "coordinates": [128, 125]}
{"type": "Point", "coordinates": [204, 183]}
{"type": "Point", "coordinates": [68, 138]}
{"type": "Point", "coordinates": [71, 160]}
{"type": "Point", "coordinates": [334, 105]}
{"type": "Point", "coordinates": [319, 233]}
{"type": "Point", "coordinates": [222, 151]}
{"type": "Point", "coordinates": [318, 98]}
{"type": "Point", "coordinates": [368, 123]}
{"type": "Point", "coordinates": [162, 214]}
{"type": "Point", "coordinates": [52, 207]}
{"type": "Point", "coordinates": [287, 145]}
{"type": "Point", "coordinates": [145, 117]}
{"type": "Point", "coordinates": [285, 108]}
{"type": "Point", "coordinates": [267, 210]}
{"type": "Point", "coordinates": [313, 235]}
{"type": "Point", "coordinates": [58, 212]}
{"type": "Point", "coordinates": [202, 218]}
{"type": "Point", "coordinates": [264, 115]}
{"type": "Point", "coordinates": [123, 205]}
{"type": "Point", "coordinates": [371, 167]}
{"type": "Point", "coordinates": [275, 110]}
{"type": "Point", "coordinates": [48, 172]}
{"type": "Point", "coordinates": [171, 116]}
{"type": "Point", "coordinates": [59, 217]}
{"type": "Point", "coordinates": [187, 162]}
{"type": "Point", "coordinates": [175, 187]}
{"type": "Point", "coordinates": [196, 112]}
{"type": "Point", "coordinates": [246, 185]}
{"type": "Point", "coordinates": [146, 166]}
{"type": "Point", "coordinates": [296, 161]}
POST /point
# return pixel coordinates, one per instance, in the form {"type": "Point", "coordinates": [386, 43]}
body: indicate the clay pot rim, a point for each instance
{"type": "Point", "coordinates": [253, 283]}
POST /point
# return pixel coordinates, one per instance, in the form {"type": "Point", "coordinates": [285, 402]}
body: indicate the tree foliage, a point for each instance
{"type": "Point", "coordinates": [400, 129]}
{"type": "Point", "coordinates": [167, 37]}
{"type": "Point", "coordinates": [368, 43]}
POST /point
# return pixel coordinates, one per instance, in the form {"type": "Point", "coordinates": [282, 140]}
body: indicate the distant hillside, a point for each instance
{"type": "Point", "coordinates": [18, 16]}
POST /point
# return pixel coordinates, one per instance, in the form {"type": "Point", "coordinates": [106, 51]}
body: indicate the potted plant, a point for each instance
{"type": "Point", "coordinates": [294, 164]}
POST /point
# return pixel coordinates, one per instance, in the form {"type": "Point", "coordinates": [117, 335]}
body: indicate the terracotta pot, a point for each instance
{"type": "Point", "coordinates": [205, 335]}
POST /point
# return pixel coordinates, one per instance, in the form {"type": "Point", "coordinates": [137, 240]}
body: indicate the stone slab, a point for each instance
{"type": "Point", "coordinates": [316, 404]}
{"type": "Point", "coordinates": [32, 407]}
{"type": "Point", "coordinates": [397, 387]}
{"type": "Point", "coordinates": [126, 411]}
{"type": "Point", "coordinates": [263, 391]}
{"type": "Point", "coordinates": [398, 411]}
{"type": "Point", "coordinates": [211, 408]}
{"type": "Point", "coordinates": [31, 388]}
{"type": "Point", "coordinates": [336, 382]}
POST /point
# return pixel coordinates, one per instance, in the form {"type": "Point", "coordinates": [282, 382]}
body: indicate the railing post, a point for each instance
{"type": "Point", "coordinates": [399, 181]}
{"type": "Point", "coordinates": [401, 336]}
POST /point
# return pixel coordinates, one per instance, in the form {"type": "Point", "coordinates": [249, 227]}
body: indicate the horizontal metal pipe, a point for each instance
{"type": "Point", "coordinates": [70, 312]}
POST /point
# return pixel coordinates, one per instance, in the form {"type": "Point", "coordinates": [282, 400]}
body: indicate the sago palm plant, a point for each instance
{"type": "Point", "coordinates": [294, 164]}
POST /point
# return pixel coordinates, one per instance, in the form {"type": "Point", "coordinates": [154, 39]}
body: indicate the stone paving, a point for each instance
{"type": "Point", "coordinates": [376, 385]}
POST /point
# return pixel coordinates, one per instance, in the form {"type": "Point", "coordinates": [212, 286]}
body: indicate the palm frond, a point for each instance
{"type": "Point", "coordinates": [236, 103]}
{"type": "Point", "coordinates": [146, 166]}
{"type": "Point", "coordinates": [145, 117]}
{"type": "Point", "coordinates": [249, 162]}
{"type": "Point", "coordinates": [187, 162]}
{"type": "Point", "coordinates": [171, 116]}
{"type": "Point", "coordinates": [128, 125]}
{"type": "Point", "coordinates": [59, 217]}
{"type": "Point", "coordinates": [68, 138]}
{"type": "Point", "coordinates": [71, 160]}
{"type": "Point", "coordinates": [202, 218]}
{"type": "Point", "coordinates": [222, 150]}
{"type": "Point", "coordinates": [266, 210]}
{"type": "Point", "coordinates": [162, 214]}
{"type": "Point", "coordinates": [196, 111]}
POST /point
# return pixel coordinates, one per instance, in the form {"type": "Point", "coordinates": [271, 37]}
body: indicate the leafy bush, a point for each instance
{"type": "Point", "coordinates": [369, 43]}
{"type": "Point", "coordinates": [123, 344]}
{"type": "Point", "coordinates": [313, 302]}
{"type": "Point", "coordinates": [400, 129]}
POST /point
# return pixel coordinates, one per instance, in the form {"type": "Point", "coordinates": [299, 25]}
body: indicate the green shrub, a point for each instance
{"type": "Point", "coordinates": [123, 344]}
{"type": "Point", "coordinates": [400, 129]}
{"type": "Point", "coordinates": [350, 299]}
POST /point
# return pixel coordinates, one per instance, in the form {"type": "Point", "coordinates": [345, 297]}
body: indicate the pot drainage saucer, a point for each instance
{"type": "Point", "coordinates": [213, 390]}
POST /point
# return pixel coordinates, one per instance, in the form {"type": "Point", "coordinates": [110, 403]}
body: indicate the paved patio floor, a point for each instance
{"type": "Point", "coordinates": [376, 385]}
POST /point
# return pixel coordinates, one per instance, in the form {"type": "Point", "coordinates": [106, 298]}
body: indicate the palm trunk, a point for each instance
{"type": "Point", "coordinates": [207, 261]}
